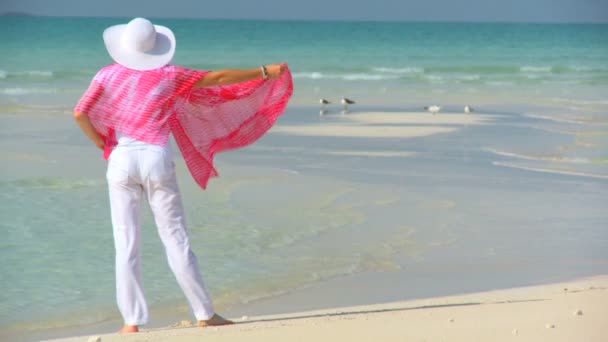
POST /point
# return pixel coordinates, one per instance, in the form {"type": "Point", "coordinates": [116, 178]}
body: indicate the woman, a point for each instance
{"type": "Point", "coordinates": [129, 111]}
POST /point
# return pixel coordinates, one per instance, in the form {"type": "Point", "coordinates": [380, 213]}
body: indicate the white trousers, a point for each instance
{"type": "Point", "coordinates": [135, 172]}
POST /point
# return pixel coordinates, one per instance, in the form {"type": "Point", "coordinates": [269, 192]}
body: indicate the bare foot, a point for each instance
{"type": "Point", "coordinates": [129, 329]}
{"type": "Point", "coordinates": [214, 321]}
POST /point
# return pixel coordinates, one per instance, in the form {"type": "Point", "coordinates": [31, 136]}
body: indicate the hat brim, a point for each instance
{"type": "Point", "coordinates": [160, 55]}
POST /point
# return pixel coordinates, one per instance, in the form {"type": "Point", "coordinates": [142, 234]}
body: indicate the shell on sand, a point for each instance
{"type": "Point", "coordinates": [183, 324]}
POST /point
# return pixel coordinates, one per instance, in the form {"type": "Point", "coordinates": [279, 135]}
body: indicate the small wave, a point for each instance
{"type": "Point", "coordinates": [545, 170]}
{"type": "Point", "coordinates": [581, 68]}
{"type": "Point", "coordinates": [536, 69]}
{"type": "Point", "coordinates": [586, 69]}
{"type": "Point", "coordinates": [539, 158]}
{"type": "Point", "coordinates": [55, 183]}
{"type": "Point", "coordinates": [470, 77]}
{"type": "Point", "coordinates": [473, 69]}
{"type": "Point", "coordinates": [289, 171]}
{"type": "Point", "coordinates": [359, 153]}
{"type": "Point", "coordinates": [552, 118]}
{"type": "Point", "coordinates": [579, 102]}
{"type": "Point", "coordinates": [500, 83]}
{"type": "Point", "coordinates": [27, 74]}
{"type": "Point", "coordinates": [533, 76]}
{"type": "Point", "coordinates": [27, 91]}
{"type": "Point", "coordinates": [367, 77]}
{"type": "Point", "coordinates": [311, 75]}
{"type": "Point", "coordinates": [434, 78]}
{"type": "Point", "coordinates": [493, 76]}
{"type": "Point", "coordinates": [19, 108]}
{"type": "Point", "coordinates": [406, 70]}
{"type": "Point", "coordinates": [34, 75]}
{"type": "Point", "coordinates": [563, 82]}
{"type": "Point", "coordinates": [346, 77]}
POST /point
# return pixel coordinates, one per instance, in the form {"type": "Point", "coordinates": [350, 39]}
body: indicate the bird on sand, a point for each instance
{"type": "Point", "coordinates": [468, 109]}
{"type": "Point", "coordinates": [323, 102]}
{"type": "Point", "coordinates": [345, 102]}
{"type": "Point", "coordinates": [434, 109]}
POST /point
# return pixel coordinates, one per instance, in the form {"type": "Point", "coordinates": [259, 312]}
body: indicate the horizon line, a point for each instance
{"type": "Point", "coordinates": [354, 20]}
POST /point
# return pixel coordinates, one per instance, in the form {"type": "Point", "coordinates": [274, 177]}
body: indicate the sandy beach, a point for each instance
{"type": "Point", "coordinates": [386, 125]}
{"type": "Point", "coordinates": [428, 244]}
{"type": "Point", "coordinates": [568, 311]}
{"type": "Point", "coordinates": [376, 222]}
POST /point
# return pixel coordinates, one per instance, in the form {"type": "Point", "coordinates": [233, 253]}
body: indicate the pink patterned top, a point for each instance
{"type": "Point", "coordinates": [149, 105]}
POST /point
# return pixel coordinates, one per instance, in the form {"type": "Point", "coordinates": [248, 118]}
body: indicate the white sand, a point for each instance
{"type": "Point", "coordinates": [345, 130]}
{"type": "Point", "coordinates": [572, 311]}
{"type": "Point", "coordinates": [420, 118]}
{"type": "Point", "coordinates": [365, 153]}
{"type": "Point", "coordinates": [386, 125]}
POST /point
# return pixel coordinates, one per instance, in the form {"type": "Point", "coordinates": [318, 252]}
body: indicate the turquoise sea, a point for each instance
{"type": "Point", "coordinates": [522, 200]}
{"type": "Point", "coordinates": [55, 57]}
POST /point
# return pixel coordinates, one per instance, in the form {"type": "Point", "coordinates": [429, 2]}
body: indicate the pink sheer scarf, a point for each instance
{"type": "Point", "coordinates": [149, 105]}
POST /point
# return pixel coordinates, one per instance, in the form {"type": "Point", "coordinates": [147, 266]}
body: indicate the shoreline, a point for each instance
{"type": "Point", "coordinates": [369, 219]}
{"type": "Point", "coordinates": [564, 311]}
{"type": "Point", "coordinates": [377, 124]}
{"type": "Point", "coordinates": [391, 271]}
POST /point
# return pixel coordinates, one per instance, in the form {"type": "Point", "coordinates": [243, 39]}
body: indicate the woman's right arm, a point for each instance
{"type": "Point", "coordinates": [84, 106]}
{"type": "Point", "coordinates": [85, 124]}
{"type": "Point", "coordinates": [231, 76]}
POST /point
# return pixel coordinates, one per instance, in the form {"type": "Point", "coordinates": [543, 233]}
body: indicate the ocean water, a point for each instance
{"type": "Point", "coordinates": [519, 200]}
{"type": "Point", "coordinates": [387, 62]}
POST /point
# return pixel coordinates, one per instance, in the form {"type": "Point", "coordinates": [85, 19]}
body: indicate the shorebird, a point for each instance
{"type": "Point", "coordinates": [345, 102]}
{"type": "Point", "coordinates": [323, 102]}
{"type": "Point", "coordinates": [433, 109]}
{"type": "Point", "coordinates": [468, 109]}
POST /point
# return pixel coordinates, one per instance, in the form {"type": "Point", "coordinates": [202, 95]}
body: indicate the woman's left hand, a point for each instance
{"type": "Point", "coordinates": [275, 70]}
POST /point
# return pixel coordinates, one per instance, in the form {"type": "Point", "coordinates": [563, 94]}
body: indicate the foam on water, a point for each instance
{"type": "Point", "coordinates": [28, 91]}
{"type": "Point", "coordinates": [405, 61]}
{"type": "Point", "coordinates": [346, 77]}
{"type": "Point", "coordinates": [536, 69]}
{"type": "Point", "coordinates": [554, 118]}
{"type": "Point", "coordinates": [554, 159]}
{"type": "Point", "coordinates": [52, 183]}
{"type": "Point", "coordinates": [580, 101]}
{"type": "Point", "coordinates": [404, 70]}
{"type": "Point", "coordinates": [550, 170]}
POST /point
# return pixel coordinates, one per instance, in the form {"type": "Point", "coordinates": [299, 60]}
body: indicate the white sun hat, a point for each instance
{"type": "Point", "coordinates": [140, 45]}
